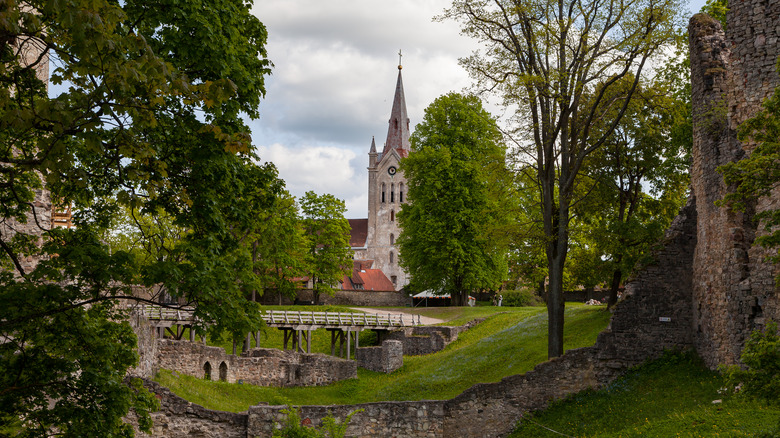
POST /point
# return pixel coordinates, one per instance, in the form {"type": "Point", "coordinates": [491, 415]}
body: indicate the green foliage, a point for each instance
{"type": "Point", "coordinates": [520, 298]}
{"type": "Point", "coordinates": [717, 9]}
{"type": "Point", "coordinates": [671, 396]}
{"type": "Point", "coordinates": [453, 227]}
{"type": "Point", "coordinates": [280, 247]}
{"type": "Point", "coordinates": [293, 427]}
{"type": "Point", "coordinates": [761, 356]}
{"type": "Point", "coordinates": [510, 341]}
{"type": "Point", "coordinates": [759, 174]}
{"type": "Point", "coordinates": [329, 255]}
{"type": "Point", "coordinates": [637, 181]}
{"type": "Point", "coordinates": [148, 145]}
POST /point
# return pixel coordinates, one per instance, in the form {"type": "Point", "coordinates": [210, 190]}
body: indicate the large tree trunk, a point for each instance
{"type": "Point", "coordinates": [617, 274]}
{"type": "Point", "coordinates": [555, 307]}
{"type": "Point", "coordinates": [557, 249]}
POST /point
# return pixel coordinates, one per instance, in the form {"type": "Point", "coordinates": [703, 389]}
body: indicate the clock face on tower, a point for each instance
{"type": "Point", "coordinates": [391, 170]}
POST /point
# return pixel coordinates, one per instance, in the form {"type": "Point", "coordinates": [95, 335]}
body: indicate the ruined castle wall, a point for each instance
{"type": "Point", "coordinates": [259, 366]}
{"type": "Point", "coordinates": [383, 359]}
{"type": "Point", "coordinates": [38, 219]}
{"type": "Point", "coordinates": [178, 418]}
{"type": "Point", "coordinates": [732, 73]}
{"type": "Point", "coordinates": [411, 419]}
{"type": "Point", "coordinates": [147, 347]}
{"type": "Point", "coordinates": [423, 340]}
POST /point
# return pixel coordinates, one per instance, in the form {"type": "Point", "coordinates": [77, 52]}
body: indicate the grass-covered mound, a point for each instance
{"type": "Point", "coordinates": [670, 397]}
{"type": "Point", "coordinates": [510, 341]}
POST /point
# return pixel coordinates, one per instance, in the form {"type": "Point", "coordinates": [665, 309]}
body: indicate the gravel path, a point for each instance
{"type": "Point", "coordinates": [425, 320]}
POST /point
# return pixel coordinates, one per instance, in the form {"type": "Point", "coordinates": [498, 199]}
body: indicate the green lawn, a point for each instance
{"type": "Point", "coordinates": [667, 398]}
{"type": "Point", "coordinates": [510, 341]}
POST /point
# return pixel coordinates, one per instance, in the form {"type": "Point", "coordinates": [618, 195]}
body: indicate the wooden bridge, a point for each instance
{"type": "Point", "coordinates": [297, 325]}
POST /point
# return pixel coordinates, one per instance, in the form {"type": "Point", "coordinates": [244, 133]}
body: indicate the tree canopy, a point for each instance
{"type": "Point", "coordinates": [329, 257]}
{"type": "Point", "coordinates": [554, 62]}
{"type": "Point", "coordinates": [452, 229]}
{"type": "Point", "coordinates": [640, 179]}
{"type": "Point", "coordinates": [148, 124]}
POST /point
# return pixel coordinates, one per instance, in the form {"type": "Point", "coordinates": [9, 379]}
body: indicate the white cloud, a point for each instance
{"type": "Point", "coordinates": [333, 82]}
{"type": "Point", "coordinates": [322, 169]}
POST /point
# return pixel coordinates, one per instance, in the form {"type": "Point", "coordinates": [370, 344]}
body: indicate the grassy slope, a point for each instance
{"type": "Point", "coordinates": [667, 398]}
{"type": "Point", "coordinates": [512, 341]}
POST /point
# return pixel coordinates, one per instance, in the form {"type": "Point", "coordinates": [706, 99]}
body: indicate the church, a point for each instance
{"type": "Point", "coordinates": [373, 239]}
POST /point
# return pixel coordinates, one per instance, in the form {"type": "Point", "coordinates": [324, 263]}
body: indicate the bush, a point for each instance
{"type": "Point", "coordinates": [294, 428]}
{"type": "Point", "coordinates": [521, 298]}
{"type": "Point", "coordinates": [761, 357]}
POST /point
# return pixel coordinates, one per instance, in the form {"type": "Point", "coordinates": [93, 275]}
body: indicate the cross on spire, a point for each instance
{"type": "Point", "coordinates": [399, 59]}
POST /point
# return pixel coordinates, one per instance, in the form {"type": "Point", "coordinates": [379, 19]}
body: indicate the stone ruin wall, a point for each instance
{"type": "Point", "coordinates": [421, 340]}
{"type": "Point", "coordinates": [38, 219]}
{"type": "Point", "coordinates": [732, 73]}
{"type": "Point", "coordinates": [385, 358]}
{"type": "Point", "coordinates": [258, 366]}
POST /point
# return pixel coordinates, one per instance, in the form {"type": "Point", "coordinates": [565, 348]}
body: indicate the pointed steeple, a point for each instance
{"type": "Point", "coordinates": [398, 131]}
{"type": "Point", "coordinates": [373, 146]}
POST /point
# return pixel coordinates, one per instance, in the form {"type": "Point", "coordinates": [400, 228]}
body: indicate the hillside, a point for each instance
{"type": "Point", "coordinates": [510, 341]}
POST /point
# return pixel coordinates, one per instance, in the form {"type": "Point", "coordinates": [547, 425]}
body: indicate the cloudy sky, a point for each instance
{"type": "Point", "coordinates": [334, 77]}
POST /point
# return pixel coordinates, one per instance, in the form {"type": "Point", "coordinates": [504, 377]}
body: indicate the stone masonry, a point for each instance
{"type": "Point", "coordinates": [421, 340]}
{"type": "Point", "coordinates": [733, 287]}
{"type": "Point", "coordinates": [385, 358]}
{"type": "Point", "coordinates": [258, 366]}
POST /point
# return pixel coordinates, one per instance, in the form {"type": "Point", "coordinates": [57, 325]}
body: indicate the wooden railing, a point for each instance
{"type": "Point", "coordinates": [166, 314]}
{"type": "Point", "coordinates": [289, 317]}
{"type": "Point", "coordinates": [286, 317]}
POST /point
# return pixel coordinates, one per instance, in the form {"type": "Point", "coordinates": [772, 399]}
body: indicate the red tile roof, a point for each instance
{"type": "Point", "coordinates": [358, 232]}
{"type": "Point", "coordinates": [364, 278]}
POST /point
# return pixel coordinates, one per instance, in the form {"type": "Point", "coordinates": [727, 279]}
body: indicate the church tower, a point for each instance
{"type": "Point", "coordinates": [387, 191]}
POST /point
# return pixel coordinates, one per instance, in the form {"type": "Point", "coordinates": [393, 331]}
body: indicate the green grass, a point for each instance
{"type": "Point", "coordinates": [511, 341]}
{"type": "Point", "coordinates": [666, 398]}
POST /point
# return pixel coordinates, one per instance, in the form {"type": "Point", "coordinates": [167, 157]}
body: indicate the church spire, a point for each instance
{"type": "Point", "coordinates": [398, 131]}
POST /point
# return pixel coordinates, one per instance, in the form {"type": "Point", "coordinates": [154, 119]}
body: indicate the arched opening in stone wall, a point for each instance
{"type": "Point", "coordinates": [223, 372]}
{"type": "Point", "coordinates": [207, 371]}
{"type": "Point", "coordinates": [383, 192]}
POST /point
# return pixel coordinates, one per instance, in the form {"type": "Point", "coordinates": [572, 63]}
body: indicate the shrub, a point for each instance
{"type": "Point", "coordinates": [761, 357]}
{"type": "Point", "coordinates": [520, 298]}
{"type": "Point", "coordinates": [294, 428]}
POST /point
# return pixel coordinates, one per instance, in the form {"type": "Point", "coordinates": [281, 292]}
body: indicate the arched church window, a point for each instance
{"type": "Point", "coordinates": [401, 192]}
{"type": "Point", "coordinates": [392, 215]}
{"type": "Point", "coordinates": [383, 193]}
{"type": "Point", "coordinates": [392, 257]}
{"type": "Point", "coordinates": [392, 239]}
{"type": "Point", "coordinates": [392, 193]}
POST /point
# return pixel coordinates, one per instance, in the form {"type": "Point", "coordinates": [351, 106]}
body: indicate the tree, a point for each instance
{"type": "Point", "coordinates": [640, 180]}
{"type": "Point", "coordinates": [150, 123]}
{"type": "Point", "coordinates": [329, 255]}
{"type": "Point", "coordinates": [543, 57]}
{"type": "Point", "coordinates": [279, 250]}
{"type": "Point", "coordinates": [758, 175]}
{"type": "Point", "coordinates": [458, 205]}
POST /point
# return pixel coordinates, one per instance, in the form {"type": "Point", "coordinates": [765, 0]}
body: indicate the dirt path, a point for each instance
{"type": "Point", "coordinates": [425, 320]}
